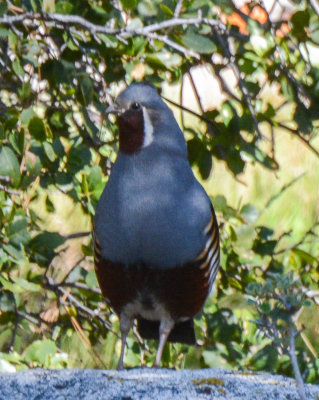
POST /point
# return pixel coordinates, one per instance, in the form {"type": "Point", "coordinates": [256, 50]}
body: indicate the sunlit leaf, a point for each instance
{"type": "Point", "coordinates": [9, 165]}
{"type": "Point", "coordinates": [198, 42]}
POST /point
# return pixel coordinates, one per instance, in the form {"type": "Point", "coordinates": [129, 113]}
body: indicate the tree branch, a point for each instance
{"type": "Point", "coordinates": [28, 317]}
{"type": "Point", "coordinates": [149, 31]}
{"type": "Point", "coordinates": [77, 304]}
{"type": "Point", "coordinates": [82, 286]}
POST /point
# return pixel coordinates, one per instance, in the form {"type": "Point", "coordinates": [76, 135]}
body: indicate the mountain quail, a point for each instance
{"type": "Point", "coordinates": [156, 237]}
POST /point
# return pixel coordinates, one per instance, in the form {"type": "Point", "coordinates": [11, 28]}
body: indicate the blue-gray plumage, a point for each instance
{"type": "Point", "coordinates": [154, 222]}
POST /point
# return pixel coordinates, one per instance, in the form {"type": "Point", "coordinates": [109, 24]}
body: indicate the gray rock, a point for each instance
{"type": "Point", "coordinates": [148, 384]}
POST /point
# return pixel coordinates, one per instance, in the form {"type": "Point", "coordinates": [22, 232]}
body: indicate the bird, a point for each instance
{"type": "Point", "coordinates": [155, 232]}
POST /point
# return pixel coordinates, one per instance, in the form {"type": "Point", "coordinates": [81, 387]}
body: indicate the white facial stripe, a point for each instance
{"type": "Point", "coordinates": [148, 129]}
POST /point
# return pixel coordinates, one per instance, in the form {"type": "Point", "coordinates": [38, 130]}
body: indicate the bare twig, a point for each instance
{"type": "Point", "coordinates": [201, 117]}
{"type": "Point", "coordinates": [315, 6]}
{"type": "Point", "coordinates": [77, 235]}
{"type": "Point", "coordinates": [77, 262]}
{"type": "Point", "coordinates": [29, 318]}
{"type": "Point", "coordinates": [302, 240]}
{"type": "Point", "coordinates": [195, 91]}
{"type": "Point", "coordinates": [10, 191]}
{"type": "Point", "coordinates": [57, 288]}
{"type": "Point", "coordinates": [171, 43]}
{"type": "Point", "coordinates": [292, 354]}
{"type": "Point", "coordinates": [303, 96]}
{"type": "Point", "coordinates": [181, 93]}
{"type": "Point", "coordinates": [83, 286]}
{"type": "Point", "coordinates": [226, 88]}
{"type": "Point", "coordinates": [77, 304]}
{"type": "Point", "coordinates": [16, 323]}
{"type": "Point", "coordinates": [231, 59]}
{"type": "Point", "coordinates": [5, 179]}
{"type": "Point", "coordinates": [178, 8]}
{"type": "Point", "coordinates": [296, 133]}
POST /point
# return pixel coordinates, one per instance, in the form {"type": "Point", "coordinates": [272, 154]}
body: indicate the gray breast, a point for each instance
{"type": "Point", "coordinates": [152, 210]}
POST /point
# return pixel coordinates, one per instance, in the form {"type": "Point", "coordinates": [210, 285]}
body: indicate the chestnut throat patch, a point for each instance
{"type": "Point", "coordinates": [131, 130]}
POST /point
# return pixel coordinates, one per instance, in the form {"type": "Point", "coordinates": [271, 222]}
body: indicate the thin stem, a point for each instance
{"type": "Point", "coordinates": [9, 191]}
{"type": "Point", "coordinates": [77, 235]}
{"type": "Point", "coordinates": [315, 6]}
{"type": "Point", "coordinates": [293, 358]}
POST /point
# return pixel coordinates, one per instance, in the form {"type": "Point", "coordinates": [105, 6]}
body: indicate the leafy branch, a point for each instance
{"type": "Point", "coordinates": [277, 301]}
{"type": "Point", "coordinates": [149, 31]}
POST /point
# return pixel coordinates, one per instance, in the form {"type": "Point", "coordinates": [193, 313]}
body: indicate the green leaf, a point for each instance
{"type": "Point", "coordinates": [227, 113]}
{"type": "Point", "coordinates": [91, 280]}
{"type": "Point", "coordinates": [200, 156]}
{"type": "Point", "coordinates": [164, 59]}
{"type": "Point", "coordinates": [18, 231]}
{"type": "Point", "coordinates": [265, 248]}
{"type": "Point", "coordinates": [129, 4]}
{"type": "Point", "coordinates": [265, 308]}
{"type": "Point", "coordinates": [166, 10]}
{"type": "Point", "coordinates": [37, 129]}
{"type": "Point", "coordinates": [16, 254]}
{"type": "Point", "coordinates": [25, 91]}
{"type": "Point", "coordinates": [220, 203]}
{"type": "Point", "coordinates": [49, 151]}
{"type": "Point", "coordinates": [199, 43]}
{"type": "Point", "coordinates": [49, 205]}
{"type": "Point", "coordinates": [86, 89]}
{"type": "Point", "coordinates": [135, 23]}
{"type": "Point", "coordinates": [26, 116]}
{"type": "Point", "coordinates": [89, 125]}
{"type": "Point", "coordinates": [4, 32]}
{"type": "Point", "coordinates": [300, 20]}
{"type": "Point", "coordinates": [147, 8]}
{"type": "Point", "coordinates": [44, 245]}
{"type": "Point", "coordinates": [249, 213]}
{"type": "Point", "coordinates": [6, 301]}
{"type": "Point", "coordinates": [109, 40]}
{"type": "Point", "coordinates": [17, 68]}
{"type": "Point", "coordinates": [27, 285]}
{"type": "Point", "coordinates": [304, 256]}
{"type": "Point", "coordinates": [9, 165]}
{"type": "Point", "coordinates": [7, 285]}
{"type": "Point", "coordinates": [64, 7]}
{"type": "Point", "coordinates": [48, 6]}
{"type": "Point", "coordinates": [94, 177]}
{"type": "Point", "coordinates": [3, 8]}
{"type": "Point", "coordinates": [40, 352]}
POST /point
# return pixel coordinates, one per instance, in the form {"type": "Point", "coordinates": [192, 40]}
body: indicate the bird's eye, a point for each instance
{"type": "Point", "coordinates": [135, 106]}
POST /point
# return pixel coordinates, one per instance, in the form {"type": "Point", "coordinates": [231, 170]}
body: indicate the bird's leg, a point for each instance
{"type": "Point", "coordinates": [165, 328]}
{"type": "Point", "coordinates": [125, 326]}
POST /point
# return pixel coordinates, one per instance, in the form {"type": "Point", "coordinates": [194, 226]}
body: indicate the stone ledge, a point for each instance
{"type": "Point", "coordinates": [148, 384]}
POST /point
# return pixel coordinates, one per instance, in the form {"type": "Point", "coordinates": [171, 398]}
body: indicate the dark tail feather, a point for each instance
{"type": "Point", "coordinates": [183, 332]}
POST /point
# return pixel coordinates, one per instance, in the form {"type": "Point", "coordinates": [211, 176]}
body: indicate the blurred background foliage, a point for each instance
{"type": "Point", "coordinates": [253, 143]}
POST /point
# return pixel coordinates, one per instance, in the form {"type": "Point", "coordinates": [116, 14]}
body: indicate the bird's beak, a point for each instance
{"type": "Point", "coordinates": [113, 109]}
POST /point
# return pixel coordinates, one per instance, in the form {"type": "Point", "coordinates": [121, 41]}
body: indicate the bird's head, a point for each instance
{"type": "Point", "coordinates": [139, 109]}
